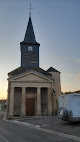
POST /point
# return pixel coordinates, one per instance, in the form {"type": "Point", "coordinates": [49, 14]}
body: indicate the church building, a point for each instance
{"type": "Point", "coordinates": [32, 91]}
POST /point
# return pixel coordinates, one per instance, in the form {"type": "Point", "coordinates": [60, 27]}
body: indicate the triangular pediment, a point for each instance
{"type": "Point", "coordinates": [31, 77]}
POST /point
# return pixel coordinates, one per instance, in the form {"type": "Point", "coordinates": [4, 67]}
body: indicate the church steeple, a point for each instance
{"type": "Point", "coordinates": [29, 47]}
{"type": "Point", "coordinates": [29, 35]}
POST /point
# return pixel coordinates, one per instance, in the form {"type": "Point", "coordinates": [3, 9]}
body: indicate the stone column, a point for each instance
{"type": "Point", "coordinates": [8, 99]}
{"type": "Point", "coordinates": [23, 102]}
{"type": "Point", "coordinates": [11, 106]}
{"type": "Point", "coordinates": [49, 102]}
{"type": "Point", "coordinates": [7, 103]}
{"type": "Point", "coordinates": [38, 101]}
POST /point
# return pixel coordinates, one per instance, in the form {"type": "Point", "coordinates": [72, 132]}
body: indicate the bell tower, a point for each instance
{"type": "Point", "coordinates": [29, 47]}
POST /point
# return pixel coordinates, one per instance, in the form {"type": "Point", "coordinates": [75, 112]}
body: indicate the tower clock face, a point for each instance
{"type": "Point", "coordinates": [30, 48]}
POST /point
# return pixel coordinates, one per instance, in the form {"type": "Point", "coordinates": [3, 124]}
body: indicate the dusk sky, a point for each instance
{"type": "Point", "coordinates": [57, 28]}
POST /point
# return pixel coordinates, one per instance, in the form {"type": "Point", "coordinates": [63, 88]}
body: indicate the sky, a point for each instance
{"type": "Point", "coordinates": [56, 25]}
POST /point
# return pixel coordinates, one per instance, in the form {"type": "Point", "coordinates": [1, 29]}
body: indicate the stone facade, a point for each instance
{"type": "Point", "coordinates": [32, 91]}
{"type": "Point", "coordinates": [33, 85]}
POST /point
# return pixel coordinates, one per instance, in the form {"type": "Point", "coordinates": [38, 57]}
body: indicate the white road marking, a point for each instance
{"type": "Point", "coordinates": [3, 131]}
{"type": "Point", "coordinates": [5, 140]}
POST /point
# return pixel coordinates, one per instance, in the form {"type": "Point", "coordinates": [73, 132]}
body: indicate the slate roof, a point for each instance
{"type": "Point", "coordinates": [24, 69]}
{"type": "Point", "coordinates": [51, 69]}
{"type": "Point", "coordinates": [29, 35]}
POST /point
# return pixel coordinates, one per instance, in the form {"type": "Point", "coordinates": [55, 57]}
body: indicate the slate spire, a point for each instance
{"type": "Point", "coordinates": [29, 35]}
{"type": "Point", "coordinates": [29, 47]}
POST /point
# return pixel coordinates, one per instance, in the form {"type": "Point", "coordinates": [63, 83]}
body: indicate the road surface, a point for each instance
{"type": "Point", "coordinates": [14, 133]}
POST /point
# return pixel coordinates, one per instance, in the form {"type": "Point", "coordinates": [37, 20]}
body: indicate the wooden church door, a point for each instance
{"type": "Point", "coordinates": [30, 106]}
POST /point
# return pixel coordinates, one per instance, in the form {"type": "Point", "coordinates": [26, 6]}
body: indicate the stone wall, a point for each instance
{"type": "Point", "coordinates": [57, 90]}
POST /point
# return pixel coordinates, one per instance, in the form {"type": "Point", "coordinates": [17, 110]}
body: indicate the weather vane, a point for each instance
{"type": "Point", "coordinates": [30, 10]}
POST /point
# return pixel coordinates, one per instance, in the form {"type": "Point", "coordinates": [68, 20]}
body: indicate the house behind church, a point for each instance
{"type": "Point", "coordinates": [32, 91]}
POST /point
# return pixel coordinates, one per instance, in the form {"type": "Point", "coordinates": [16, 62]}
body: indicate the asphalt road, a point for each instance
{"type": "Point", "coordinates": [14, 133]}
{"type": "Point", "coordinates": [55, 124]}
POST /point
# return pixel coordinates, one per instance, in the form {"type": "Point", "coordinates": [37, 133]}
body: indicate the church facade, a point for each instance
{"type": "Point", "coordinates": [32, 91]}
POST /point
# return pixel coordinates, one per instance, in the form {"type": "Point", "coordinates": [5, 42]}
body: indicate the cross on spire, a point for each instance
{"type": "Point", "coordinates": [30, 10]}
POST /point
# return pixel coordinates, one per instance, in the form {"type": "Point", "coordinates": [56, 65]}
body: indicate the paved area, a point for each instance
{"type": "Point", "coordinates": [55, 124]}
{"type": "Point", "coordinates": [66, 127]}
{"type": "Point", "coordinates": [42, 121]}
{"type": "Point", "coordinates": [15, 133]}
{"type": "Point", "coordinates": [47, 127]}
